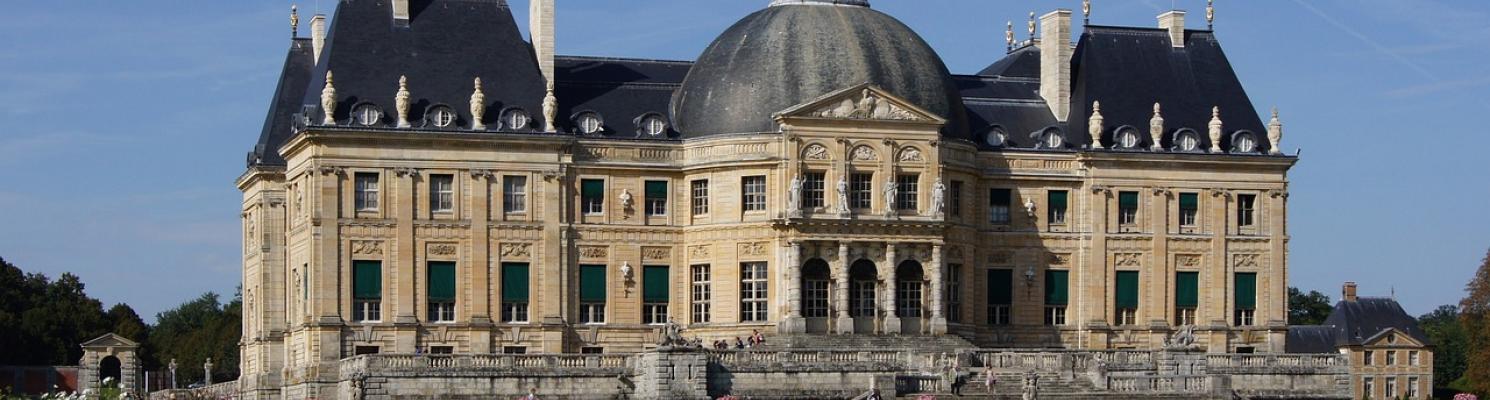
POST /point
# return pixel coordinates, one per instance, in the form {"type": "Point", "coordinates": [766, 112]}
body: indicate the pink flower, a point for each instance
{"type": "Point", "coordinates": [1465, 396]}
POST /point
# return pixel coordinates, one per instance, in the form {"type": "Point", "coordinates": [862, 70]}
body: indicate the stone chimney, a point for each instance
{"type": "Point", "coordinates": [317, 35]}
{"type": "Point", "coordinates": [1347, 292]}
{"type": "Point", "coordinates": [1174, 21]}
{"type": "Point", "coordinates": [1055, 62]}
{"type": "Point", "coordinates": [541, 26]}
{"type": "Point", "coordinates": [401, 10]}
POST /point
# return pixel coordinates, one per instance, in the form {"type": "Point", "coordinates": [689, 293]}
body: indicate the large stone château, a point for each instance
{"type": "Point", "coordinates": [428, 181]}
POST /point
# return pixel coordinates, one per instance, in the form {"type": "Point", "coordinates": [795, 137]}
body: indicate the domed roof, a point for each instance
{"type": "Point", "coordinates": [797, 50]}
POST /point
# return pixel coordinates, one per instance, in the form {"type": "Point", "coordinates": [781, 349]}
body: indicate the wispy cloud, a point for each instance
{"type": "Point", "coordinates": [1440, 86]}
{"type": "Point", "coordinates": [1373, 43]}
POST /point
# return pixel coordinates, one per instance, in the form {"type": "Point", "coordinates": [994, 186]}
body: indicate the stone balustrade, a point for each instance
{"type": "Point", "coordinates": [1230, 363]}
{"type": "Point", "coordinates": [223, 390]}
{"type": "Point", "coordinates": [1159, 384]}
{"type": "Point", "coordinates": [375, 364]}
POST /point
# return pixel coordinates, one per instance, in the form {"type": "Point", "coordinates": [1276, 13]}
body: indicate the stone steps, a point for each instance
{"type": "Point", "coordinates": [928, 343]}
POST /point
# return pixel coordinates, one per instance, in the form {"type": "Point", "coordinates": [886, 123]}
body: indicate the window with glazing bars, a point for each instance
{"type": "Point", "coordinates": [441, 193]}
{"type": "Point", "coordinates": [998, 206]}
{"type": "Point", "coordinates": [656, 192]}
{"type": "Point", "coordinates": [908, 299]}
{"type": "Point", "coordinates": [753, 300]}
{"type": "Point", "coordinates": [954, 198]}
{"type": "Point", "coordinates": [1057, 205]}
{"type": "Point", "coordinates": [813, 187]}
{"type": "Point", "coordinates": [700, 189]}
{"type": "Point", "coordinates": [1189, 209]}
{"type": "Point", "coordinates": [1246, 210]}
{"type": "Point", "coordinates": [907, 197]}
{"type": "Point", "coordinates": [753, 193]}
{"type": "Point", "coordinates": [815, 298]}
{"type": "Point", "coordinates": [514, 194]}
{"type": "Point", "coordinates": [1127, 208]}
{"type": "Point", "coordinates": [592, 196]}
{"type": "Point", "coordinates": [366, 195]}
{"type": "Point", "coordinates": [861, 191]}
{"type": "Point", "coordinates": [953, 292]}
{"type": "Point", "coordinates": [701, 293]}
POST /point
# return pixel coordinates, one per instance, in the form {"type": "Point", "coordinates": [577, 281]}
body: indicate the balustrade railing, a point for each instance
{"type": "Point", "coordinates": [1159, 384]}
{"type": "Point", "coordinates": [432, 362]}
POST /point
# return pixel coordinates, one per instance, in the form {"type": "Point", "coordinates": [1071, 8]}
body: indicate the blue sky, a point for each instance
{"type": "Point", "coordinates": [126, 124]}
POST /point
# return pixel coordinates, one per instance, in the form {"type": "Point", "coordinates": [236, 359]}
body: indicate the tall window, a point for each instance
{"type": "Point", "coordinates": [1056, 295]}
{"type": "Point", "coordinates": [367, 291]}
{"type": "Point", "coordinates": [1246, 299]}
{"type": "Point", "coordinates": [861, 299]}
{"type": "Point", "coordinates": [1246, 209]}
{"type": "Point", "coordinates": [702, 288]}
{"type": "Point", "coordinates": [1189, 209]}
{"type": "Point", "coordinates": [1412, 387]}
{"type": "Point", "coordinates": [366, 195]}
{"type": "Point", "coordinates": [1127, 298]}
{"type": "Point", "coordinates": [1186, 297]}
{"type": "Point", "coordinates": [1127, 208]}
{"type": "Point", "coordinates": [1391, 387]}
{"type": "Point", "coordinates": [906, 197]}
{"type": "Point", "coordinates": [753, 298]}
{"type": "Point", "coordinates": [908, 298]}
{"type": "Point", "coordinates": [861, 191]}
{"type": "Point", "coordinates": [656, 287]}
{"type": "Point", "coordinates": [754, 193]}
{"type": "Point", "coordinates": [1368, 357]}
{"type": "Point", "coordinates": [592, 196]}
{"type": "Point", "coordinates": [954, 198]}
{"type": "Point", "coordinates": [1000, 295]}
{"type": "Point", "coordinates": [515, 292]}
{"type": "Point", "coordinates": [441, 192]}
{"type": "Point", "coordinates": [1412, 358]}
{"type": "Point", "coordinates": [514, 194]}
{"type": "Point", "coordinates": [1057, 206]}
{"type": "Point", "coordinates": [1368, 386]}
{"type": "Point", "coordinates": [656, 198]}
{"type": "Point", "coordinates": [1391, 357]}
{"type": "Point", "coordinates": [953, 291]}
{"type": "Point", "coordinates": [592, 294]}
{"type": "Point", "coordinates": [441, 281]}
{"type": "Point", "coordinates": [998, 206]}
{"type": "Point", "coordinates": [813, 187]}
{"type": "Point", "coordinates": [700, 189]}
{"type": "Point", "coordinates": [815, 289]}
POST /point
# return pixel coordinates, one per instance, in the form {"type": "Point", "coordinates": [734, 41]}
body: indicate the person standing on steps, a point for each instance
{"type": "Point", "coordinates": [988, 379]}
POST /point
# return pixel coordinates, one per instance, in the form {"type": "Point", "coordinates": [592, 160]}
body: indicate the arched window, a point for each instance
{"type": "Point", "coordinates": [652, 125]}
{"type": "Point", "coordinates": [515, 119]}
{"type": "Point", "coordinates": [440, 117]}
{"type": "Point", "coordinates": [997, 137]}
{"type": "Point", "coordinates": [1126, 138]}
{"type": "Point", "coordinates": [588, 122]}
{"type": "Point", "coordinates": [1051, 139]}
{"type": "Point", "coordinates": [1186, 140]}
{"type": "Point", "coordinates": [1244, 142]}
{"type": "Point", "coordinates": [367, 114]}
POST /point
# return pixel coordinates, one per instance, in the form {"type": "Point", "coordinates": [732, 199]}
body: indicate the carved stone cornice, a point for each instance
{"type": "Point", "coordinates": [406, 171]}
{"type": "Point", "coordinates": [483, 173]}
{"type": "Point", "coordinates": [1275, 193]}
{"type": "Point", "coordinates": [1166, 192]}
{"type": "Point", "coordinates": [1220, 193]}
{"type": "Point", "coordinates": [331, 170]}
{"type": "Point", "coordinates": [1102, 189]}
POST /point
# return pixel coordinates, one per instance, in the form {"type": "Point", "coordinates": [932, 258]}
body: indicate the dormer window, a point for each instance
{"type": "Point", "coordinates": [997, 137]}
{"type": "Point", "coordinates": [1127, 138]}
{"type": "Point", "coordinates": [1051, 139]}
{"type": "Point", "coordinates": [588, 123]}
{"type": "Point", "coordinates": [367, 114]}
{"type": "Point", "coordinates": [515, 119]}
{"type": "Point", "coordinates": [440, 116]}
{"type": "Point", "coordinates": [653, 125]}
{"type": "Point", "coordinates": [1186, 140]}
{"type": "Point", "coordinates": [1243, 142]}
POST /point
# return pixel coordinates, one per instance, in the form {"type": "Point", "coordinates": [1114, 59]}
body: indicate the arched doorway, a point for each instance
{"type": "Point", "coordinates": [910, 295]}
{"type": "Point", "coordinates": [816, 292]}
{"type": "Point", "coordinates": [110, 371]}
{"type": "Point", "coordinates": [863, 280]}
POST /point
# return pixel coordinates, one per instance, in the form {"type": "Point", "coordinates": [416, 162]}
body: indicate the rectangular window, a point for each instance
{"type": "Point", "coordinates": [1412, 359]}
{"type": "Point", "coordinates": [365, 350]}
{"type": "Point", "coordinates": [1127, 208]}
{"type": "Point", "coordinates": [656, 291]}
{"type": "Point", "coordinates": [1186, 297]}
{"type": "Point", "coordinates": [592, 196]}
{"type": "Point", "coordinates": [514, 350]}
{"type": "Point", "coordinates": [1000, 295]}
{"type": "Point", "coordinates": [441, 192]}
{"type": "Point", "coordinates": [1189, 209]}
{"type": "Point", "coordinates": [367, 291]}
{"type": "Point", "coordinates": [906, 198]}
{"type": "Point", "coordinates": [441, 289]}
{"type": "Point", "coordinates": [998, 206]}
{"type": "Point", "coordinates": [1127, 298]}
{"type": "Point", "coordinates": [700, 189]}
{"type": "Point", "coordinates": [366, 195]}
{"type": "Point", "coordinates": [444, 350]}
{"type": "Point", "coordinates": [1391, 387]}
{"type": "Point", "coordinates": [656, 198]}
{"type": "Point", "coordinates": [754, 193]}
{"type": "Point", "coordinates": [1368, 387]}
{"type": "Point", "coordinates": [861, 191]}
{"type": "Point", "coordinates": [815, 298]}
{"type": "Point", "coordinates": [953, 292]}
{"type": "Point", "coordinates": [514, 194]}
{"type": "Point", "coordinates": [592, 289]}
{"type": "Point", "coordinates": [1246, 210]}
{"type": "Point", "coordinates": [753, 292]}
{"type": "Point", "coordinates": [515, 292]}
{"type": "Point", "coordinates": [1057, 205]}
{"type": "Point", "coordinates": [1246, 298]}
{"type": "Point", "coordinates": [1368, 357]}
{"type": "Point", "coordinates": [1412, 387]}
{"type": "Point", "coordinates": [861, 299]}
{"type": "Point", "coordinates": [954, 198]}
{"type": "Point", "coordinates": [908, 299]}
{"type": "Point", "coordinates": [702, 288]}
{"type": "Point", "coordinates": [592, 350]}
{"type": "Point", "coordinates": [814, 190]}
{"type": "Point", "coordinates": [1391, 358]}
{"type": "Point", "coordinates": [1056, 296]}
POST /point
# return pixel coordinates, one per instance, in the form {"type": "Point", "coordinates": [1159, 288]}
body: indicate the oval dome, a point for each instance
{"type": "Point", "coordinates": [797, 50]}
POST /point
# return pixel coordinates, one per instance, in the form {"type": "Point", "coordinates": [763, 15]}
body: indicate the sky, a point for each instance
{"type": "Point", "coordinates": [125, 124]}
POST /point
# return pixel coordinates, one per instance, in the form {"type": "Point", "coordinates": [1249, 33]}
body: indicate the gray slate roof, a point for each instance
{"type": "Point", "coordinates": [1353, 323]}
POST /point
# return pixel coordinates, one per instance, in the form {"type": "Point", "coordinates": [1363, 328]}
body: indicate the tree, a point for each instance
{"type": "Point", "coordinates": [1308, 309]}
{"type": "Point", "coordinates": [43, 320]}
{"type": "Point", "coordinates": [1475, 316]}
{"type": "Point", "coordinates": [1443, 329]}
{"type": "Point", "coordinates": [197, 330]}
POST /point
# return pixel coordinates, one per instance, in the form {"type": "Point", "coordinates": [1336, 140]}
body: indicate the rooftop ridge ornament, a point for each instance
{"type": "Point", "coordinates": [294, 21]}
{"type": "Point", "coordinates": [1210, 14]}
{"type": "Point", "coordinates": [1094, 125]}
{"type": "Point", "coordinates": [1215, 131]}
{"type": "Point", "coordinates": [478, 107]}
{"type": "Point", "coordinates": [1275, 133]}
{"type": "Point", "coordinates": [1032, 27]}
{"type": "Point", "coordinates": [401, 101]}
{"type": "Point", "coordinates": [1009, 36]}
{"type": "Point", "coordinates": [328, 101]}
{"type": "Point", "coordinates": [1086, 12]}
{"type": "Point", "coordinates": [1156, 128]}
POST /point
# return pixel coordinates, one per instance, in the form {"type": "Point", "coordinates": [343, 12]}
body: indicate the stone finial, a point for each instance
{"type": "Point", "coordinates": [1156, 128]}
{"type": "Point", "coordinates": [1086, 12]}
{"type": "Point", "coordinates": [1094, 125]}
{"type": "Point", "coordinates": [402, 100]}
{"type": "Point", "coordinates": [1032, 26]}
{"type": "Point", "coordinates": [550, 110]}
{"type": "Point", "coordinates": [328, 101]}
{"type": "Point", "coordinates": [478, 107]}
{"type": "Point", "coordinates": [1275, 133]}
{"type": "Point", "coordinates": [1009, 36]}
{"type": "Point", "coordinates": [1210, 14]}
{"type": "Point", "coordinates": [1215, 131]}
{"type": "Point", "coordinates": [294, 21]}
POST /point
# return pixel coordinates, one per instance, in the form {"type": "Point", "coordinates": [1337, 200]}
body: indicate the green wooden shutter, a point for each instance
{"type": "Point", "coordinates": [441, 281]}
{"type": "Point", "coordinates": [592, 283]}
{"type": "Point", "coordinates": [1056, 292]}
{"type": "Point", "coordinates": [1189, 201]}
{"type": "Point", "coordinates": [999, 197]}
{"type": "Point", "coordinates": [592, 188]}
{"type": "Point", "coordinates": [654, 284]}
{"type": "Point", "coordinates": [1246, 291]}
{"type": "Point", "coordinates": [1127, 289]}
{"type": "Point", "coordinates": [1128, 200]}
{"type": "Point", "coordinates": [515, 282]}
{"type": "Point", "coordinates": [657, 189]}
{"type": "Point", "coordinates": [1057, 202]}
{"type": "Point", "coordinates": [1000, 286]}
{"type": "Point", "coordinates": [1187, 289]}
{"type": "Point", "coordinates": [367, 280]}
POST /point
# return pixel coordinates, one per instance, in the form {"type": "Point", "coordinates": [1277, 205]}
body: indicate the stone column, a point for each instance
{"type": "Point", "coordinates": [938, 319]}
{"type": "Point", "coordinates": [841, 287]}
{"type": "Point", "coordinates": [793, 323]}
{"type": "Point", "coordinates": [892, 321]}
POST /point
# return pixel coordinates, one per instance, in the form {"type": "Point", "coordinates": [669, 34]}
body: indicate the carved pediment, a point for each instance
{"type": "Point", "coordinates": [862, 102]}
{"type": "Point", "coordinates": [110, 340]}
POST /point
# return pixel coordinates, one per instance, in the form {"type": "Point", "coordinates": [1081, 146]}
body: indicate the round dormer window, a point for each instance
{"type": "Point", "coordinates": [589, 123]}
{"type": "Point", "coordinates": [516, 119]}
{"type": "Point", "coordinates": [441, 117]}
{"type": "Point", "coordinates": [653, 125]}
{"type": "Point", "coordinates": [1051, 139]}
{"type": "Point", "coordinates": [1244, 142]}
{"type": "Point", "coordinates": [1187, 141]}
{"type": "Point", "coordinates": [997, 137]}
{"type": "Point", "coordinates": [1127, 138]}
{"type": "Point", "coordinates": [367, 114]}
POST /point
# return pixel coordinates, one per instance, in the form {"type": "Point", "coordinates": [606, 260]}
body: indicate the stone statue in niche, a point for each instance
{"type": "Point", "coordinates": [891, 191]}
{"type": "Point", "coordinates": [843, 195]}
{"type": "Point", "coordinates": [626, 198]}
{"type": "Point", "coordinates": [938, 197]}
{"type": "Point", "coordinates": [794, 196]}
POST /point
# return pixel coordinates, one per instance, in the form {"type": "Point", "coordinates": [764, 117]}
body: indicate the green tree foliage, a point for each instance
{"type": "Point", "coordinates": [1475, 316]}
{"type": "Point", "coordinates": [1308, 309]}
{"type": "Point", "coordinates": [1449, 341]}
{"type": "Point", "coordinates": [42, 322]}
{"type": "Point", "coordinates": [195, 331]}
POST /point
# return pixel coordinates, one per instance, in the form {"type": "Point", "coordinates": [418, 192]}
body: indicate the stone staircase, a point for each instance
{"type": "Point", "coordinates": [1010, 385]}
{"type": "Point", "coordinates": [918, 343]}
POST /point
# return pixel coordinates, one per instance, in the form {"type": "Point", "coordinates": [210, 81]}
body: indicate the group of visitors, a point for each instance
{"type": "Point", "coordinates": [755, 339]}
{"type": "Point", "coordinates": [955, 380]}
